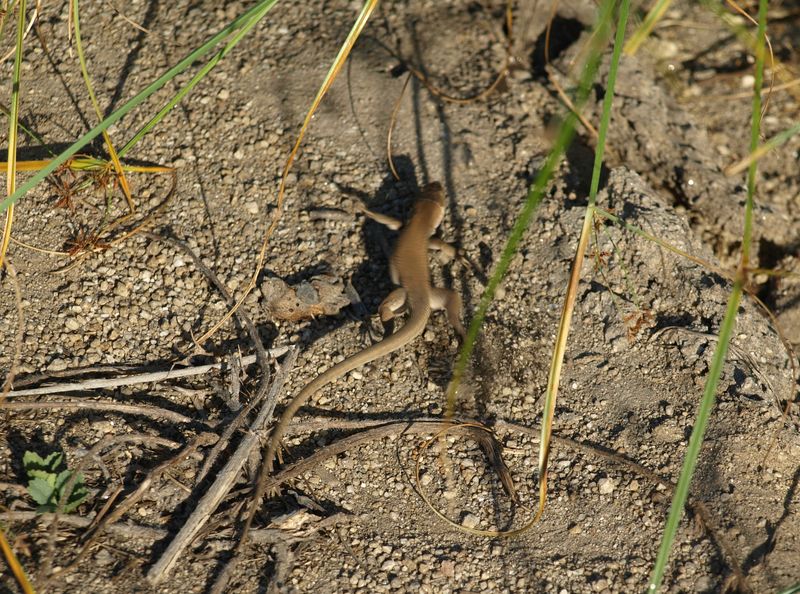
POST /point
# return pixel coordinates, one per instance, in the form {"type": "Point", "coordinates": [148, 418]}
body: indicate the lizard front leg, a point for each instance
{"type": "Point", "coordinates": [450, 301]}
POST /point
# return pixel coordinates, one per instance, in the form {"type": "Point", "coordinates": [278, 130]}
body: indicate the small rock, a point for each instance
{"type": "Point", "coordinates": [470, 520]}
{"type": "Point", "coordinates": [388, 565]}
{"type": "Point", "coordinates": [57, 364]}
{"type": "Point", "coordinates": [448, 568]}
{"type": "Point", "coordinates": [606, 486]}
{"type": "Point", "coordinates": [103, 427]}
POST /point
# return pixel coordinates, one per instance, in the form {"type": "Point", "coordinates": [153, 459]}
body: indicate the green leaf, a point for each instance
{"type": "Point", "coordinates": [32, 461]}
{"type": "Point", "coordinates": [46, 486]}
{"type": "Point", "coordinates": [61, 480]}
{"type": "Point", "coordinates": [42, 474]}
{"type": "Point", "coordinates": [31, 458]}
{"type": "Point", "coordinates": [41, 491]}
{"type": "Point", "coordinates": [78, 495]}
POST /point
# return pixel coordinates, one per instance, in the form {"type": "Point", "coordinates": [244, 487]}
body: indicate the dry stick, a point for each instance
{"type": "Point", "coordinates": [109, 440]}
{"type": "Point", "coordinates": [135, 531]}
{"type": "Point", "coordinates": [261, 353]}
{"type": "Point", "coordinates": [128, 531]}
{"type": "Point", "coordinates": [201, 440]}
{"type": "Point", "coordinates": [131, 409]}
{"type": "Point", "coordinates": [12, 274]}
{"type": "Point", "coordinates": [130, 380]}
{"type": "Point", "coordinates": [225, 480]}
{"type": "Point", "coordinates": [40, 378]}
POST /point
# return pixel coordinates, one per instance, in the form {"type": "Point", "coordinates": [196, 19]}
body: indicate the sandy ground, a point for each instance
{"type": "Point", "coordinates": [643, 333]}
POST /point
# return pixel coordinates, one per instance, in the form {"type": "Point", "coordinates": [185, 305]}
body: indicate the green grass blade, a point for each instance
{"type": "Point", "coordinates": [726, 330]}
{"type": "Point", "coordinates": [638, 37]}
{"type": "Point", "coordinates": [134, 102]}
{"type": "Point", "coordinates": [31, 134]}
{"type": "Point", "coordinates": [768, 146]}
{"type": "Point", "coordinates": [532, 201]}
{"type": "Point", "coordinates": [178, 97]}
{"type": "Point", "coordinates": [696, 439]}
{"type": "Point", "coordinates": [534, 198]}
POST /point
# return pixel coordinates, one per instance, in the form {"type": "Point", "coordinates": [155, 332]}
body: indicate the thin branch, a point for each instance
{"type": "Point", "coordinates": [129, 409]}
{"type": "Point", "coordinates": [130, 380]}
{"type": "Point", "coordinates": [224, 481]}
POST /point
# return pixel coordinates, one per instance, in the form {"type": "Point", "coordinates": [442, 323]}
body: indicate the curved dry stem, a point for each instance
{"type": "Point", "coordinates": [33, 22]}
{"type": "Point", "coordinates": [391, 128]}
{"type": "Point", "coordinates": [344, 52]}
{"type": "Point", "coordinates": [753, 21]}
{"type": "Point", "coordinates": [460, 427]}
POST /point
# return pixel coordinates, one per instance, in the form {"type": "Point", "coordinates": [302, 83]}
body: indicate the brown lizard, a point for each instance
{"type": "Point", "coordinates": [408, 267]}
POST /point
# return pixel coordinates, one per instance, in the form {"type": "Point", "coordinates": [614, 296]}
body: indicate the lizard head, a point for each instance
{"type": "Point", "coordinates": [430, 204]}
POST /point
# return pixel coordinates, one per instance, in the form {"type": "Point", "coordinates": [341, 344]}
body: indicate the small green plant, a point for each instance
{"type": "Point", "coordinates": [46, 483]}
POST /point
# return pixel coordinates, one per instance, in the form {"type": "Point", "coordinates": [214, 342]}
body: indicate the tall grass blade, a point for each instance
{"type": "Point", "coordinates": [644, 30]}
{"type": "Point", "coordinates": [13, 125]}
{"type": "Point", "coordinates": [534, 198]}
{"type": "Point", "coordinates": [187, 88]}
{"type": "Point", "coordinates": [123, 180]}
{"type": "Point", "coordinates": [117, 115]}
{"type": "Point", "coordinates": [726, 329]}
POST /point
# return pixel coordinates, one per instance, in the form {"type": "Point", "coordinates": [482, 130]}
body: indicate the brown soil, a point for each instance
{"type": "Point", "coordinates": [643, 333]}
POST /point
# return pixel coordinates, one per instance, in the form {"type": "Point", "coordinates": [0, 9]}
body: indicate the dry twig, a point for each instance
{"type": "Point", "coordinates": [129, 409]}
{"type": "Point", "coordinates": [224, 481]}
{"type": "Point", "coordinates": [130, 380]}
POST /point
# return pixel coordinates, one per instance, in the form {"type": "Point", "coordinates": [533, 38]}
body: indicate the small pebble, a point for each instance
{"type": "Point", "coordinates": [606, 486]}
{"type": "Point", "coordinates": [58, 364]}
{"type": "Point", "coordinates": [470, 521]}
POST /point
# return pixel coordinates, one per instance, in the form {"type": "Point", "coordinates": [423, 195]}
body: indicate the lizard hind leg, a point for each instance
{"type": "Point", "coordinates": [392, 306]}
{"type": "Point", "coordinates": [450, 301]}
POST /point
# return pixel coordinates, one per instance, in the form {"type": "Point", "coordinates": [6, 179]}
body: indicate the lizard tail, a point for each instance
{"type": "Point", "coordinates": [420, 312]}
